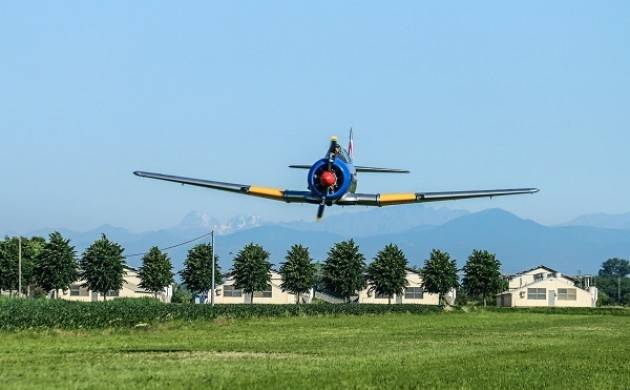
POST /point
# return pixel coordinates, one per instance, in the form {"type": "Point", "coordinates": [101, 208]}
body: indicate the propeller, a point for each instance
{"type": "Point", "coordinates": [327, 179]}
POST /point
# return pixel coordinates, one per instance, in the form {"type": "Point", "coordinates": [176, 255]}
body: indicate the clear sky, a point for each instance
{"type": "Point", "coordinates": [467, 95]}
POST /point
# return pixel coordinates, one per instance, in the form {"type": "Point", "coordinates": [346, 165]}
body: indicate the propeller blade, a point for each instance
{"type": "Point", "coordinates": [320, 210]}
{"type": "Point", "coordinates": [331, 152]}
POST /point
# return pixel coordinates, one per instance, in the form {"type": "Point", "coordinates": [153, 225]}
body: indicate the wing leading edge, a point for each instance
{"type": "Point", "coordinates": [389, 199]}
{"type": "Point", "coordinates": [245, 189]}
{"type": "Point", "coordinates": [384, 199]}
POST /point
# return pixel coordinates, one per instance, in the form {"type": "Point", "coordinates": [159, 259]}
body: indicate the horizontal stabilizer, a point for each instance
{"type": "Point", "coordinates": [300, 166]}
{"type": "Point", "coordinates": [379, 170]}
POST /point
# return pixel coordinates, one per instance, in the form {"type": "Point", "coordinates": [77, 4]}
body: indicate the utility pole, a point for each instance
{"type": "Point", "coordinates": [213, 281]}
{"type": "Point", "coordinates": [20, 266]}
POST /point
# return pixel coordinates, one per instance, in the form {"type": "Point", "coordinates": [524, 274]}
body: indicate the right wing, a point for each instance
{"type": "Point", "coordinates": [245, 189]}
{"type": "Point", "coordinates": [421, 197]}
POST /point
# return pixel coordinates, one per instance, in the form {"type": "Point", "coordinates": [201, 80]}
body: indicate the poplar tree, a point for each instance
{"type": "Point", "coordinates": [387, 274]}
{"type": "Point", "coordinates": [298, 271]}
{"type": "Point", "coordinates": [252, 269]}
{"type": "Point", "coordinates": [103, 266]}
{"type": "Point", "coordinates": [344, 269]}
{"type": "Point", "coordinates": [156, 272]}
{"type": "Point", "coordinates": [482, 275]}
{"type": "Point", "coordinates": [56, 266]}
{"type": "Point", "coordinates": [197, 272]}
{"type": "Point", "coordinates": [9, 251]}
{"type": "Point", "coordinates": [439, 274]}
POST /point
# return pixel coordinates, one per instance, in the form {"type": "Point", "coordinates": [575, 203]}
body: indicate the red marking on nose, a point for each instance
{"type": "Point", "coordinates": [327, 179]}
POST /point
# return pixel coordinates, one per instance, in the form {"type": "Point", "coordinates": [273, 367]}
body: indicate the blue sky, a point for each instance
{"type": "Point", "coordinates": [467, 95]}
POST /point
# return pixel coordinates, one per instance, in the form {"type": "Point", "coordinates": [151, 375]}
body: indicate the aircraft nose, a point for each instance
{"type": "Point", "coordinates": [327, 179]}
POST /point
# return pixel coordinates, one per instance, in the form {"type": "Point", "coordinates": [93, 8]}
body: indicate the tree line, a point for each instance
{"type": "Point", "coordinates": [613, 282]}
{"type": "Point", "coordinates": [52, 265]}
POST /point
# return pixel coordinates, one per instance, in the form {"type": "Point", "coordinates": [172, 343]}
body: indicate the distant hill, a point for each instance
{"type": "Point", "coordinates": [384, 220]}
{"type": "Point", "coordinates": [602, 220]}
{"type": "Point", "coordinates": [519, 243]}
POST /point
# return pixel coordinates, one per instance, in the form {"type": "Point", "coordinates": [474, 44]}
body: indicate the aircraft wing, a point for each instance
{"type": "Point", "coordinates": [387, 199]}
{"type": "Point", "coordinates": [245, 189]}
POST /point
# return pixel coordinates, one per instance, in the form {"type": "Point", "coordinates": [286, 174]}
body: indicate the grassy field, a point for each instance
{"type": "Point", "coordinates": [448, 350]}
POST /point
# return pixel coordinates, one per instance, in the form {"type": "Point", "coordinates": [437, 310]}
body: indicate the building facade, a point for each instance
{"type": "Point", "coordinates": [226, 293]}
{"type": "Point", "coordinates": [130, 289]}
{"type": "Point", "coordinates": [545, 287]}
{"type": "Point", "coordinates": [413, 294]}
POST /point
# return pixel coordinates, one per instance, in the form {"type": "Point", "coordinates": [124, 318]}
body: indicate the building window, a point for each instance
{"type": "Point", "coordinates": [77, 291]}
{"type": "Point", "coordinates": [263, 294]}
{"type": "Point", "coordinates": [230, 291]}
{"type": "Point", "coordinates": [567, 294]}
{"type": "Point", "coordinates": [414, 293]}
{"type": "Point", "coordinates": [112, 293]}
{"type": "Point", "coordinates": [539, 276]}
{"type": "Point", "coordinates": [537, 293]}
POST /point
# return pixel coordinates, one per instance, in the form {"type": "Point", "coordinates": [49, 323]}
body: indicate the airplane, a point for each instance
{"type": "Point", "coordinates": [332, 180]}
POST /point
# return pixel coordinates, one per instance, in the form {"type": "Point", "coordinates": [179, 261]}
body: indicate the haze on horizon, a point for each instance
{"type": "Point", "coordinates": [466, 96]}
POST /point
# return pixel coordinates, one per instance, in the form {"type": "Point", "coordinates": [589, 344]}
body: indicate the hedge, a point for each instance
{"type": "Point", "coordinates": [563, 310]}
{"type": "Point", "coordinates": [45, 313]}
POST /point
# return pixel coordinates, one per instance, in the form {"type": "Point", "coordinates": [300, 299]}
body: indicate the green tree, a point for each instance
{"type": "Point", "coordinates": [616, 288]}
{"type": "Point", "coordinates": [298, 271]}
{"type": "Point", "coordinates": [197, 272]}
{"type": "Point", "coordinates": [156, 272]}
{"type": "Point", "coordinates": [56, 266]}
{"type": "Point", "coordinates": [439, 274]}
{"type": "Point", "coordinates": [252, 269]}
{"type": "Point", "coordinates": [103, 266]}
{"type": "Point", "coordinates": [387, 274]}
{"type": "Point", "coordinates": [9, 269]}
{"type": "Point", "coordinates": [615, 268]}
{"type": "Point", "coordinates": [482, 275]}
{"type": "Point", "coordinates": [181, 294]}
{"type": "Point", "coordinates": [344, 268]}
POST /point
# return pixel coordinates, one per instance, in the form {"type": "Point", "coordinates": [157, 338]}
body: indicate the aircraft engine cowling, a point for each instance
{"type": "Point", "coordinates": [332, 183]}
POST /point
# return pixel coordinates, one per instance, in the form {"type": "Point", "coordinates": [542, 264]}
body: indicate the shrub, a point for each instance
{"type": "Point", "coordinates": [26, 314]}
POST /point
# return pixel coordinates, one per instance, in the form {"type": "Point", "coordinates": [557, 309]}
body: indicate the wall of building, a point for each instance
{"type": "Point", "coordinates": [277, 295]}
{"type": "Point", "coordinates": [130, 289]}
{"type": "Point", "coordinates": [529, 277]}
{"type": "Point", "coordinates": [414, 280]}
{"type": "Point", "coordinates": [520, 297]}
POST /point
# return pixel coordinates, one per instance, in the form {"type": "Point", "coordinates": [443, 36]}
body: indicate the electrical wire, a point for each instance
{"type": "Point", "coordinates": [170, 247]}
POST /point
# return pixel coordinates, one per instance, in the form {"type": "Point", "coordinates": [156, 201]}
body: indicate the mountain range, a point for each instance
{"type": "Point", "coordinates": [519, 243]}
{"type": "Point", "coordinates": [602, 220]}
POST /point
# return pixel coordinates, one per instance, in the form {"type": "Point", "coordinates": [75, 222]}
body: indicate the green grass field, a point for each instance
{"type": "Point", "coordinates": [449, 350]}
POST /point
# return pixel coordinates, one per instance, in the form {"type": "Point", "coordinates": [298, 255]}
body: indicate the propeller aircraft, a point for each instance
{"type": "Point", "coordinates": [332, 180]}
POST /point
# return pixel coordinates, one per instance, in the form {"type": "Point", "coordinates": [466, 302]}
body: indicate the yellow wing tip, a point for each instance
{"type": "Point", "coordinates": [406, 197]}
{"type": "Point", "coordinates": [275, 193]}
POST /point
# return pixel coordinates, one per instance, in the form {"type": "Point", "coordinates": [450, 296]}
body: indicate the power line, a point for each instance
{"type": "Point", "coordinates": [171, 247]}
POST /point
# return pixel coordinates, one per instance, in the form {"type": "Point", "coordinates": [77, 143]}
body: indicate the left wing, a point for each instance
{"type": "Point", "coordinates": [420, 197]}
{"type": "Point", "coordinates": [245, 189]}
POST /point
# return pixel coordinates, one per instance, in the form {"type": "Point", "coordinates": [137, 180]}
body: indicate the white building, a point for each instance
{"type": "Point", "coordinates": [413, 293]}
{"type": "Point", "coordinates": [226, 293]}
{"type": "Point", "coordinates": [130, 289]}
{"type": "Point", "coordinates": [545, 287]}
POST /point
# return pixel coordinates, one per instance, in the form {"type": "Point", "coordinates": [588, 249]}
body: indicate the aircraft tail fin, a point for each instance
{"type": "Point", "coordinates": [351, 146]}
